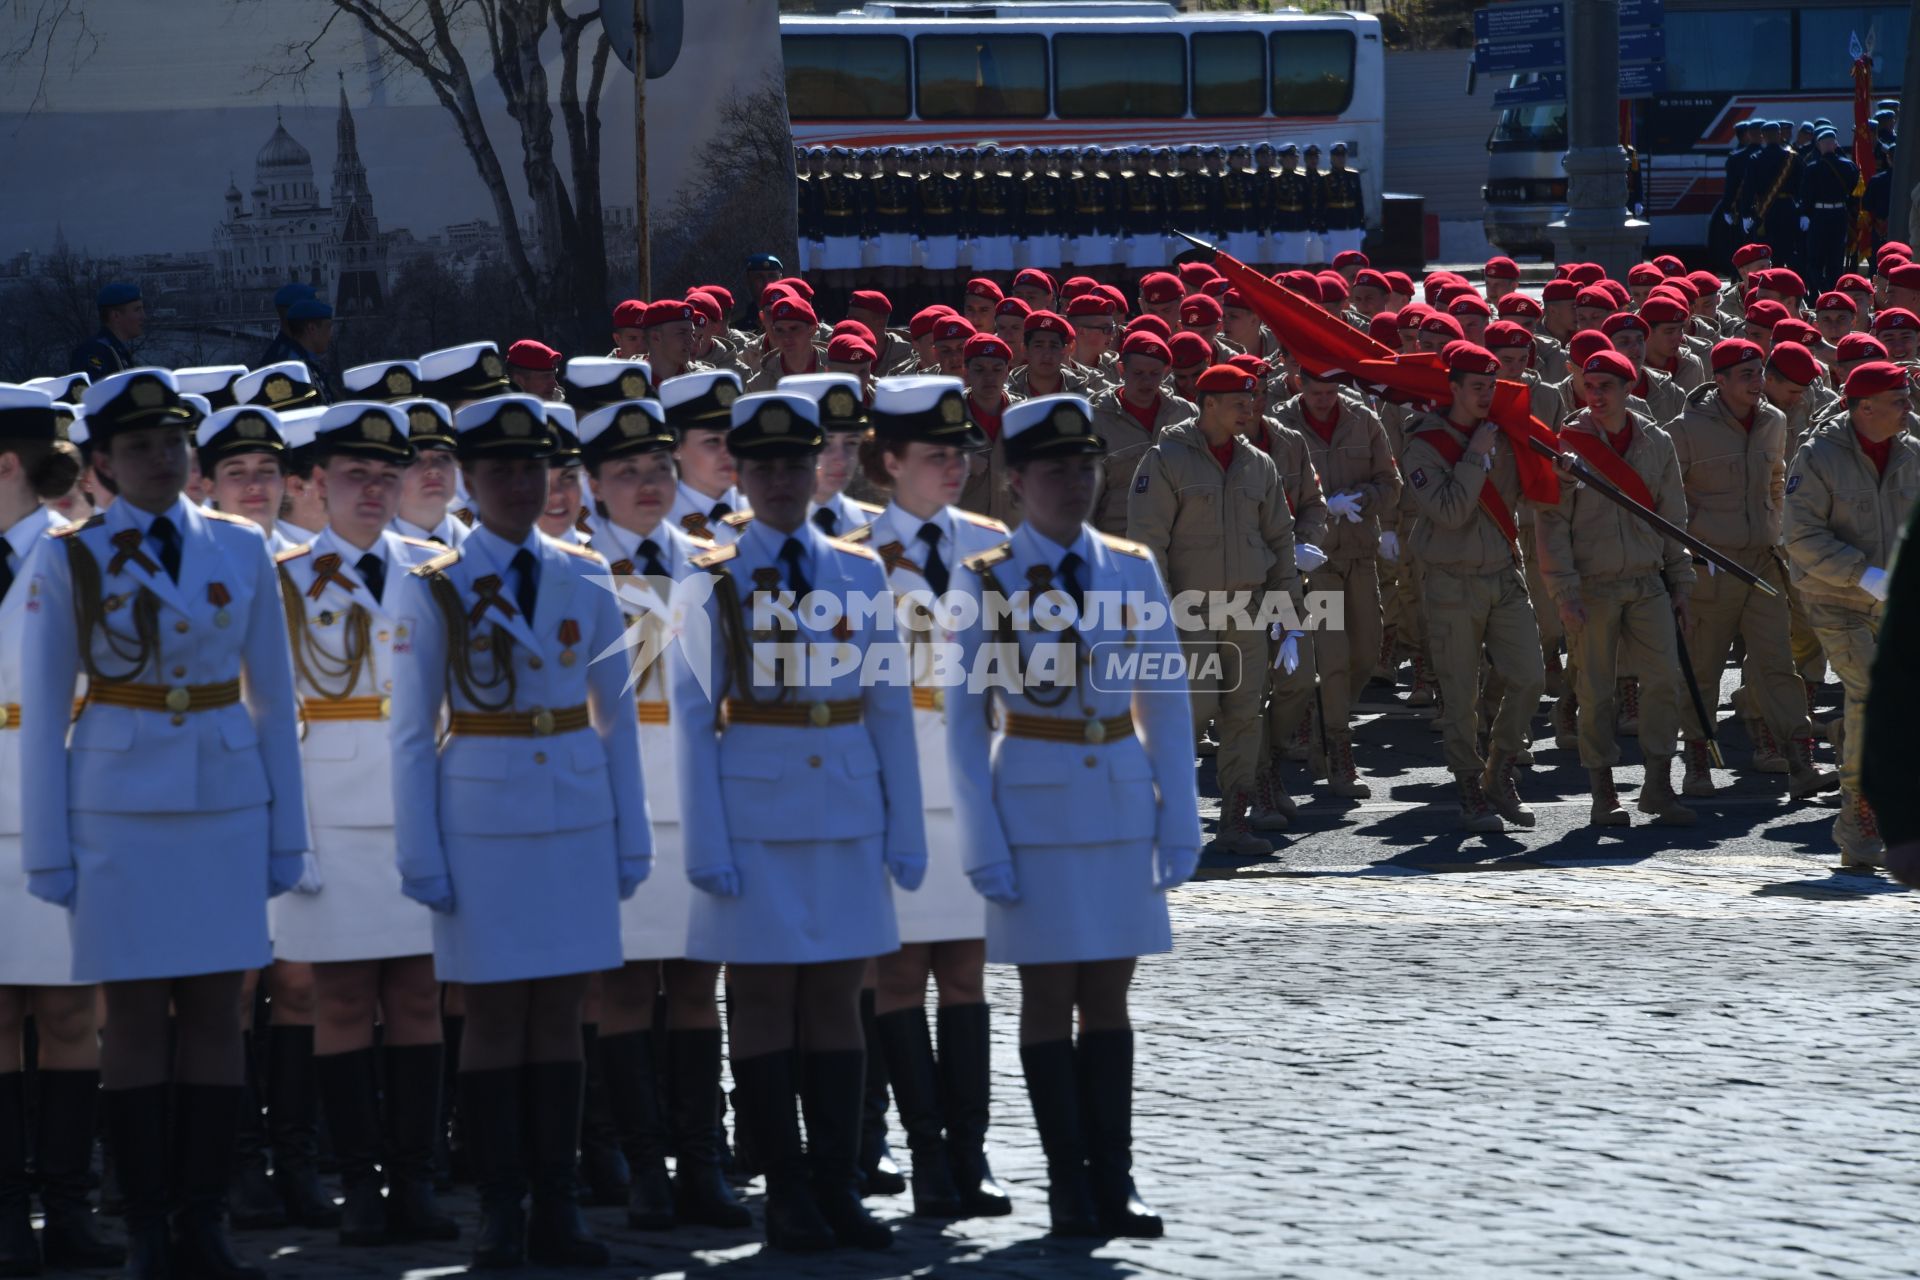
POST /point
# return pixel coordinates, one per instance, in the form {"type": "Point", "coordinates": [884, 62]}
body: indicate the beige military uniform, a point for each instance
{"type": "Point", "coordinates": [1819, 403]}
{"type": "Point", "coordinates": [1689, 370]}
{"type": "Point", "coordinates": [772, 368]}
{"type": "Point", "coordinates": [1665, 400]}
{"type": "Point", "coordinates": [986, 492]}
{"type": "Point", "coordinates": [1289, 693]}
{"type": "Point", "coordinates": [1627, 575]}
{"type": "Point", "coordinates": [1126, 443]}
{"type": "Point", "coordinates": [1072, 383]}
{"type": "Point", "coordinates": [1549, 357]}
{"type": "Point", "coordinates": [1401, 581]}
{"type": "Point", "coordinates": [1227, 532]}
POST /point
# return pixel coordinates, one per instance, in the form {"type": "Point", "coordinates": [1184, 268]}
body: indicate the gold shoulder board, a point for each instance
{"type": "Point", "coordinates": [737, 519]}
{"type": "Point", "coordinates": [862, 534]}
{"type": "Point", "coordinates": [1125, 547]}
{"type": "Point", "coordinates": [423, 543]}
{"type": "Point", "coordinates": [574, 549]}
{"type": "Point", "coordinates": [716, 557]}
{"type": "Point", "coordinates": [975, 518]}
{"type": "Point", "coordinates": [867, 507]}
{"type": "Point", "coordinates": [852, 548]}
{"type": "Point", "coordinates": [293, 553]}
{"type": "Point", "coordinates": [989, 558]}
{"type": "Point", "coordinates": [211, 514]}
{"type": "Point", "coordinates": [68, 530]}
{"type": "Point", "coordinates": [436, 566]}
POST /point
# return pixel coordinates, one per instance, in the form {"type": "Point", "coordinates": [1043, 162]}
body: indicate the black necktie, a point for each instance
{"type": "Point", "coordinates": [434, 537]}
{"type": "Point", "coordinates": [1070, 580]}
{"type": "Point", "coordinates": [526, 588]}
{"type": "Point", "coordinates": [795, 554]}
{"type": "Point", "coordinates": [373, 572]}
{"type": "Point", "coordinates": [936, 568]}
{"type": "Point", "coordinates": [828, 519]}
{"type": "Point", "coordinates": [6, 569]}
{"type": "Point", "coordinates": [167, 538]}
{"type": "Point", "coordinates": [650, 563]}
{"type": "Point", "coordinates": [720, 512]}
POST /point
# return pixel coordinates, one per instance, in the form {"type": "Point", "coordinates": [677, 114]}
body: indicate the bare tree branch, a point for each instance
{"type": "Point", "coordinates": [54, 23]}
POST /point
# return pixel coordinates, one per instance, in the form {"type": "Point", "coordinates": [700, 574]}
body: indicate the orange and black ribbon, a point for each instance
{"type": "Point", "coordinates": [622, 568]}
{"type": "Point", "coordinates": [695, 524]}
{"type": "Point", "coordinates": [126, 544]}
{"type": "Point", "coordinates": [326, 569]}
{"type": "Point", "coordinates": [569, 632]}
{"type": "Point", "coordinates": [487, 588]}
{"type": "Point", "coordinates": [218, 596]}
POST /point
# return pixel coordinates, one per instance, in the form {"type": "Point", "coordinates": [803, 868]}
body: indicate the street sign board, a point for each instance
{"type": "Point", "coordinates": [1548, 87]}
{"type": "Point", "coordinates": [1644, 45]}
{"type": "Point", "coordinates": [1519, 22]}
{"type": "Point", "coordinates": [665, 23]}
{"type": "Point", "coordinates": [1642, 13]}
{"type": "Point", "coordinates": [1643, 79]}
{"type": "Point", "coordinates": [1541, 53]}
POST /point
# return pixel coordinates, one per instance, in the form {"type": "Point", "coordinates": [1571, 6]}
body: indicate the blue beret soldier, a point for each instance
{"type": "Point", "coordinates": [123, 319]}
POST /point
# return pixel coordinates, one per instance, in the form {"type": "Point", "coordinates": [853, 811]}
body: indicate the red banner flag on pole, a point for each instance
{"type": "Point", "coordinates": [1862, 240]}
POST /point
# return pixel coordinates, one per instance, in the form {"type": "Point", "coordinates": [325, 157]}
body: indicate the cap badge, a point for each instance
{"type": "Point", "coordinates": [250, 428]}
{"type": "Point", "coordinates": [1066, 421]}
{"type": "Point", "coordinates": [399, 383]}
{"type": "Point", "coordinates": [952, 411]}
{"type": "Point", "coordinates": [840, 403]}
{"type": "Point", "coordinates": [376, 428]}
{"type": "Point", "coordinates": [147, 393]}
{"type": "Point", "coordinates": [633, 423]}
{"type": "Point", "coordinates": [725, 392]}
{"type": "Point", "coordinates": [775, 420]}
{"type": "Point", "coordinates": [633, 385]}
{"type": "Point", "coordinates": [491, 366]}
{"type": "Point", "coordinates": [422, 421]}
{"type": "Point", "coordinates": [278, 388]}
{"type": "Point", "coordinates": [515, 421]}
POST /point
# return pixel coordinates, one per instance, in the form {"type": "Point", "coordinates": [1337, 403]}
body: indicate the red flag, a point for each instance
{"type": "Point", "coordinates": [1862, 240]}
{"type": "Point", "coordinates": [1321, 343]}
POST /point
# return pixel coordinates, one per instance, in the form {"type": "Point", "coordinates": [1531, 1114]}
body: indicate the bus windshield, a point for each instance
{"type": "Point", "coordinates": [1542, 127]}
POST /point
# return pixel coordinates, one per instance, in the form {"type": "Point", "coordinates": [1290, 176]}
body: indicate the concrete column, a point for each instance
{"type": "Point", "coordinates": [1598, 227]}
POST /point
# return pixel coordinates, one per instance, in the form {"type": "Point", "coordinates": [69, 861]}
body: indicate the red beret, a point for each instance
{"type": "Point", "coordinates": [1234, 298]}
{"type": "Point", "coordinates": [1905, 276]}
{"type": "Point", "coordinates": [1048, 322]}
{"type": "Point", "coordinates": [1302, 283]}
{"type": "Point", "coordinates": [1250, 364]}
{"type": "Point", "coordinates": [1621, 321]}
{"type": "Point", "coordinates": [1194, 274]}
{"type": "Point", "coordinates": [1161, 286]}
{"type": "Point", "coordinates": [926, 318]}
{"type": "Point", "coordinates": [1610, 362]}
{"type": "Point", "coordinates": [1465, 357]}
{"type": "Point", "coordinates": [1729, 352]}
{"type": "Point", "coordinates": [870, 300]}
{"type": "Point", "coordinates": [773, 293]}
{"type": "Point", "coordinates": [1189, 349]}
{"type": "Point", "coordinates": [1092, 303]}
{"type": "Point", "coordinates": [1149, 323]}
{"type": "Point", "coordinates": [1795, 331]}
{"type": "Point", "coordinates": [1414, 314]}
{"type": "Point", "coordinates": [1121, 306]}
{"type": "Point", "coordinates": [1834, 300]}
{"type": "Point", "coordinates": [1374, 279]}
{"type": "Point", "coordinates": [1679, 288]}
{"type": "Point", "coordinates": [1594, 296]}
{"type": "Point", "coordinates": [1618, 291]}
{"type": "Point", "coordinates": [707, 308]}
{"type": "Point", "coordinates": [1224, 378]}
{"type": "Point", "coordinates": [792, 308]}
{"type": "Point", "coordinates": [719, 293]}
{"type": "Point", "coordinates": [1453, 290]}
{"type": "Point", "coordinates": [1659, 309]}
{"type": "Point", "coordinates": [668, 311]}
{"type": "Point", "coordinates": [1503, 268]}
{"type": "Point", "coordinates": [798, 286]}
{"type": "Point", "coordinates": [1894, 318]}
{"type": "Point", "coordinates": [981, 287]}
{"type": "Point", "coordinates": [538, 356]}
{"type": "Point", "coordinates": [986, 344]}
{"type": "Point", "coordinates": [1035, 278]}
{"type": "Point", "coordinates": [1077, 285]}
{"type": "Point", "coordinates": [1559, 291]}
{"type": "Point", "coordinates": [1143, 343]}
{"type": "Point", "coordinates": [1385, 328]}
{"type": "Point", "coordinates": [1399, 282]}
{"type": "Point", "coordinates": [951, 327]}
{"type": "Point", "coordinates": [1503, 334]}
{"type": "Point", "coordinates": [1011, 306]}
{"type": "Point", "coordinates": [1519, 304]}
{"type": "Point", "coordinates": [1859, 346]}
{"type": "Point", "coordinates": [1351, 258]}
{"type": "Point", "coordinates": [1900, 247]}
{"type": "Point", "coordinates": [1786, 281]}
{"type": "Point", "coordinates": [1218, 287]}
{"type": "Point", "coordinates": [1768, 313]}
{"type": "Point", "coordinates": [1333, 288]}
{"type": "Point", "coordinates": [1793, 362]}
{"type": "Point", "coordinates": [1670, 265]}
{"type": "Point", "coordinates": [1585, 343]}
{"type": "Point", "coordinates": [1199, 309]}
{"type": "Point", "coordinates": [630, 314]}
{"type": "Point", "coordinates": [1747, 254]}
{"type": "Point", "coordinates": [1875, 376]}
{"type": "Point", "coordinates": [1645, 273]}
{"type": "Point", "coordinates": [1586, 273]}
{"type": "Point", "coordinates": [1469, 304]}
{"type": "Point", "coordinates": [846, 348]}
{"type": "Point", "coordinates": [1441, 322]}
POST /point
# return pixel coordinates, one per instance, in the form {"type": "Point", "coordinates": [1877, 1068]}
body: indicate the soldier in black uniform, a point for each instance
{"type": "Point", "coordinates": [1343, 211]}
{"type": "Point", "coordinates": [1827, 181]}
{"type": "Point", "coordinates": [1043, 202]}
{"type": "Point", "coordinates": [842, 205]}
{"type": "Point", "coordinates": [995, 213]}
{"type": "Point", "coordinates": [306, 336]}
{"type": "Point", "coordinates": [1768, 200]}
{"type": "Point", "coordinates": [1196, 196]}
{"type": "Point", "coordinates": [940, 198]}
{"type": "Point", "coordinates": [123, 318]}
{"type": "Point", "coordinates": [1240, 188]}
{"type": "Point", "coordinates": [1722, 236]}
{"type": "Point", "coordinates": [1090, 214]}
{"type": "Point", "coordinates": [1878, 199]}
{"type": "Point", "coordinates": [807, 162]}
{"type": "Point", "coordinates": [893, 215]}
{"type": "Point", "coordinates": [1144, 212]}
{"type": "Point", "coordinates": [1317, 254]}
{"type": "Point", "coordinates": [1289, 216]}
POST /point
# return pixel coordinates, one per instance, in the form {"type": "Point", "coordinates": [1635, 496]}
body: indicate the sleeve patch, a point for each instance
{"type": "Point", "coordinates": [1140, 483]}
{"type": "Point", "coordinates": [1793, 482]}
{"type": "Point", "coordinates": [1419, 478]}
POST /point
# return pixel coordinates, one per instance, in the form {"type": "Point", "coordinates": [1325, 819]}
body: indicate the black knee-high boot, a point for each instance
{"type": "Point", "coordinates": [1105, 1062]}
{"type": "Point", "coordinates": [19, 1252]}
{"type": "Point", "coordinates": [349, 1094]}
{"type": "Point", "coordinates": [450, 1163]}
{"type": "Point", "coordinates": [604, 1175]}
{"type": "Point", "coordinates": [253, 1201]}
{"type": "Point", "coordinates": [916, 1088]}
{"type": "Point", "coordinates": [763, 1094]}
{"type": "Point", "coordinates": [966, 1086]}
{"type": "Point", "coordinates": [1054, 1090]}
{"type": "Point", "coordinates": [879, 1171]}
{"type": "Point", "coordinates": [557, 1234]}
{"type": "Point", "coordinates": [293, 1124]}
{"type": "Point", "coordinates": [412, 1112]}
{"type": "Point", "coordinates": [207, 1116]}
{"type": "Point", "coordinates": [492, 1111]}
{"type": "Point", "coordinates": [139, 1127]}
{"type": "Point", "coordinates": [701, 1193]}
{"type": "Point", "coordinates": [830, 1089]}
{"type": "Point", "coordinates": [68, 1106]}
{"type": "Point", "coordinates": [633, 1095]}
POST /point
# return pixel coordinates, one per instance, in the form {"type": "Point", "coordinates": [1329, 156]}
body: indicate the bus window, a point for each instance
{"type": "Point", "coordinates": [1728, 49]}
{"type": "Point", "coordinates": [982, 77]}
{"type": "Point", "coordinates": [1229, 70]}
{"type": "Point", "coordinates": [1312, 72]}
{"type": "Point", "coordinates": [1119, 76]}
{"type": "Point", "coordinates": [846, 77]}
{"type": "Point", "coordinates": [1824, 34]}
{"type": "Point", "coordinates": [1540, 127]}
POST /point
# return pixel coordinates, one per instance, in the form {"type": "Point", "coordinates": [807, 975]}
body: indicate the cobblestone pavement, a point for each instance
{"type": "Point", "coordinates": [1393, 1054]}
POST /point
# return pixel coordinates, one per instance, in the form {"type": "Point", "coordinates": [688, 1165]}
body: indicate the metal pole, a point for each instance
{"type": "Point", "coordinates": [1597, 227]}
{"type": "Point", "coordinates": [1906, 170]}
{"type": "Point", "coordinates": [642, 255]}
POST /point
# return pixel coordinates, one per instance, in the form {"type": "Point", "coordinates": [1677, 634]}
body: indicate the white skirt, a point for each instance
{"type": "Point", "coordinates": [359, 913]}
{"type": "Point", "coordinates": [1316, 253]}
{"type": "Point", "coordinates": [837, 253]}
{"type": "Point", "coordinates": [1039, 251]}
{"type": "Point", "coordinates": [1341, 241]}
{"type": "Point", "coordinates": [993, 253]}
{"type": "Point", "coordinates": [529, 907]}
{"type": "Point", "coordinates": [169, 895]}
{"type": "Point", "coordinates": [653, 922]}
{"type": "Point", "coordinates": [940, 253]}
{"type": "Point", "coordinates": [945, 907]}
{"type": "Point", "coordinates": [893, 249]}
{"type": "Point", "coordinates": [36, 948]}
{"type": "Point", "coordinates": [814, 254]}
{"type": "Point", "coordinates": [1245, 245]}
{"type": "Point", "coordinates": [1289, 247]}
{"type": "Point", "coordinates": [1147, 251]}
{"type": "Point", "coordinates": [1090, 251]}
{"type": "Point", "coordinates": [1080, 903]}
{"type": "Point", "coordinates": [800, 903]}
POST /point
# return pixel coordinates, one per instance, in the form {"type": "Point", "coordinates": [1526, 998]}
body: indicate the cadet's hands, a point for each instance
{"type": "Point", "coordinates": [435, 893]}
{"type": "Point", "coordinates": [1287, 658]}
{"type": "Point", "coordinates": [1390, 546]}
{"type": "Point", "coordinates": [1805, 223]}
{"type": "Point", "coordinates": [633, 874]}
{"type": "Point", "coordinates": [1481, 445]}
{"type": "Point", "coordinates": [1346, 503]}
{"type": "Point", "coordinates": [1573, 613]}
{"type": "Point", "coordinates": [1874, 583]}
{"type": "Point", "coordinates": [1903, 863]}
{"type": "Point", "coordinates": [310, 882]}
{"type": "Point", "coordinates": [1683, 615]}
{"type": "Point", "coordinates": [289, 871]}
{"type": "Point", "coordinates": [57, 887]}
{"type": "Point", "coordinates": [1746, 224]}
{"type": "Point", "coordinates": [721, 882]}
{"type": "Point", "coordinates": [1308, 557]}
{"type": "Point", "coordinates": [907, 869]}
{"type": "Point", "coordinates": [1173, 867]}
{"type": "Point", "coordinates": [996, 883]}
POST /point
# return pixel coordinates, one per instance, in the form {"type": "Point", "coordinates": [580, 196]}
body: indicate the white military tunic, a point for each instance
{"type": "Point", "coordinates": [848, 515]}
{"type": "Point", "coordinates": [169, 818]}
{"type": "Point", "coordinates": [1080, 819]}
{"type": "Point", "coordinates": [804, 812]}
{"type": "Point", "coordinates": [35, 950]}
{"type": "Point", "coordinates": [693, 513]}
{"type": "Point", "coordinates": [359, 912]}
{"type": "Point", "coordinates": [450, 532]}
{"type": "Point", "coordinates": [944, 907]}
{"type": "Point", "coordinates": [533, 832]}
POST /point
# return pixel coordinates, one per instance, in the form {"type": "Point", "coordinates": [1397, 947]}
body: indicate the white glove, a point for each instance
{"type": "Point", "coordinates": [1287, 660]}
{"type": "Point", "coordinates": [1345, 504]}
{"type": "Point", "coordinates": [1711, 569]}
{"type": "Point", "coordinates": [1389, 546]}
{"type": "Point", "coordinates": [1728, 217]}
{"type": "Point", "coordinates": [310, 881]}
{"type": "Point", "coordinates": [1874, 583]}
{"type": "Point", "coordinates": [1746, 224]}
{"type": "Point", "coordinates": [1173, 867]}
{"type": "Point", "coordinates": [1805, 223]}
{"type": "Point", "coordinates": [1308, 557]}
{"type": "Point", "coordinates": [1486, 461]}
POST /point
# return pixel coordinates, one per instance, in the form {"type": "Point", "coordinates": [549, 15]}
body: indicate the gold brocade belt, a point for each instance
{"type": "Point", "coordinates": [803, 715]}
{"type": "Point", "coordinates": [10, 713]}
{"type": "Point", "coordinates": [177, 698]}
{"type": "Point", "coordinates": [1061, 729]}
{"type": "Point", "coordinates": [360, 708]}
{"type": "Point", "coordinates": [925, 699]}
{"type": "Point", "coordinates": [537, 723]}
{"type": "Point", "coordinates": [653, 712]}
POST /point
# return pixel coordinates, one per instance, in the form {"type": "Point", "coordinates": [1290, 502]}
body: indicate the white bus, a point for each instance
{"type": "Point", "coordinates": [1087, 74]}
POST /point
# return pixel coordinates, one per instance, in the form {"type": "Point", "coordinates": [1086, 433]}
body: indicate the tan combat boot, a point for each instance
{"type": "Point", "coordinates": [1657, 798]}
{"type": "Point", "coordinates": [1566, 722]}
{"type": "Point", "coordinates": [1234, 836]}
{"type": "Point", "coordinates": [1383, 667]}
{"type": "Point", "coordinates": [1606, 811]}
{"type": "Point", "coordinates": [1699, 776]}
{"type": "Point", "coordinates": [1502, 794]}
{"type": "Point", "coordinates": [1626, 720]}
{"type": "Point", "coordinates": [1272, 806]}
{"type": "Point", "coordinates": [1301, 745]}
{"type": "Point", "coordinates": [1804, 780]}
{"type": "Point", "coordinates": [1857, 832]}
{"type": "Point", "coordinates": [1343, 775]}
{"type": "Point", "coordinates": [1556, 677]}
{"type": "Point", "coordinates": [1421, 695]}
{"type": "Point", "coordinates": [1476, 814]}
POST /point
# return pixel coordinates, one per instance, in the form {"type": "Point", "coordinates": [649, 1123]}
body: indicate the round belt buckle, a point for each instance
{"type": "Point", "coordinates": [178, 699]}
{"type": "Point", "coordinates": [543, 722]}
{"type": "Point", "coordinates": [821, 715]}
{"type": "Point", "coordinates": [939, 699]}
{"type": "Point", "coordinates": [6, 716]}
{"type": "Point", "coordinates": [1096, 732]}
{"type": "Point", "coordinates": [386, 708]}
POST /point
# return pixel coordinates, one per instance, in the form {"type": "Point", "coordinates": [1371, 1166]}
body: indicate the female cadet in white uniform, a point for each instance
{"type": "Point", "coordinates": [428, 490]}
{"type": "Point", "coordinates": [526, 828]}
{"type": "Point", "coordinates": [799, 798]}
{"type": "Point", "coordinates": [697, 406]}
{"type": "Point", "coordinates": [921, 442]}
{"type": "Point", "coordinates": [629, 459]}
{"type": "Point", "coordinates": [1058, 814]}
{"type": "Point", "coordinates": [36, 956]}
{"type": "Point", "coordinates": [843, 417]}
{"type": "Point", "coordinates": [370, 946]}
{"type": "Point", "coordinates": [175, 809]}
